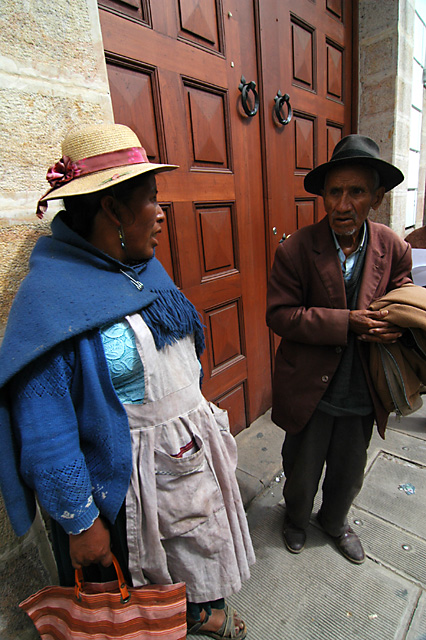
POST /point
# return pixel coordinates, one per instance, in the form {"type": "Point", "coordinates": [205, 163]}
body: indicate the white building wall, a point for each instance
{"type": "Point", "coordinates": [416, 166]}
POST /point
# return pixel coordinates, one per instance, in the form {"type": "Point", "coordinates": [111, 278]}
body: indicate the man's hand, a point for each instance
{"type": "Point", "coordinates": [370, 326]}
{"type": "Point", "coordinates": [91, 546]}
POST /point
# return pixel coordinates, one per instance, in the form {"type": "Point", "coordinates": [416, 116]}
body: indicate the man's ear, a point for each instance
{"type": "Point", "coordinates": [109, 209]}
{"type": "Point", "coordinates": [378, 198]}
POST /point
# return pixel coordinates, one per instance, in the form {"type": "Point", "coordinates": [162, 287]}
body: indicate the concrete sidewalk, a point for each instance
{"type": "Point", "coordinates": [319, 595]}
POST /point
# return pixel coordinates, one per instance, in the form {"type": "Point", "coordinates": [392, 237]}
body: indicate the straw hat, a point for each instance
{"type": "Point", "coordinates": [354, 149]}
{"type": "Point", "coordinates": [95, 157]}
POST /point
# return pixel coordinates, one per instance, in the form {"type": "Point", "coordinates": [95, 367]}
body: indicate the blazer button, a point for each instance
{"type": "Point", "coordinates": [338, 349]}
{"type": "Point", "coordinates": [324, 378]}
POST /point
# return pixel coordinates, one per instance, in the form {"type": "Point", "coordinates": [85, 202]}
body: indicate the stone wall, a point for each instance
{"type": "Point", "coordinates": [52, 76]}
{"type": "Point", "coordinates": [386, 32]}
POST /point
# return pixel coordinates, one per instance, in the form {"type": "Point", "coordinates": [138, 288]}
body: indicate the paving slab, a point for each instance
{"type": "Point", "coordinates": [395, 490]}
{"type": "Point", "coordinates": [414, 424]}
{"type": "Point", "coordinates": [391, 546]}
{"type": "Point", "coordinates": [417, 630]}
{"type": "Point", "coordinates": [400, 443]}
{"type": "Point", "coordinates": [319, 595]}
{"type": "Point", "coordinates": [259, 457]}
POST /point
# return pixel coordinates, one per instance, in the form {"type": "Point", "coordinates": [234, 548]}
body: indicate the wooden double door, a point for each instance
{"type": "Point", "coordinates": [178, 72]}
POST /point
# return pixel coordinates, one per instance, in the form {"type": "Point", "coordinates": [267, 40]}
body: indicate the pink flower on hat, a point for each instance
{"type": "Point", "coordinates": [62, 172]}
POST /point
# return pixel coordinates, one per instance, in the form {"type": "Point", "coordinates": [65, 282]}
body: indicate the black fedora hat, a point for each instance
{"type": "Point", "coordinates": [354, 149]}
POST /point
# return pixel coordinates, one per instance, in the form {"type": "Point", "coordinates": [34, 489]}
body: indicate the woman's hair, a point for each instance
{"type": "Point", "coordinates": [81, 210]}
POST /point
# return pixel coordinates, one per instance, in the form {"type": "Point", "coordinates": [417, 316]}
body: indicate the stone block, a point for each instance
{"type": "Point", "coordinates": [382, 215]}
{"type": "Point", "coordinates": [404, 100]}
{"type": "Point", "coordinates": [402, 127]}
{"type": "Point", "coordinates": [379, 58]}
{"type": "Point", "coordinates": [19, 577]}
{"type": "Point", "coordinates": [398, 211]}
{"type": "Point", "coordinates": [378, 97]}
{"type": "Point", "coordinates": [406, 11]}
{"type": "Point", "coordinates": [7, 535]}
{"type": "Point", "coordinates": [377, 17]}
{"type": "Point", "coordinates": [259, 450]}
{"type": "Point", "coordinates": [52, 76]}
{"type": "Point", "coordinates": [382, 131]}
{"type": "Point", "coordinates": [42, 37]}
{"type": "Point", "coordinates": [405, 56]}
{"type": "Point", "coordinates": [16, 245]}
{"type": "Point", "coordinates": [24, 166]}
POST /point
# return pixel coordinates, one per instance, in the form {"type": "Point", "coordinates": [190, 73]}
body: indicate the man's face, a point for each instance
{"type": "Point", "coordinates": [349, 194]}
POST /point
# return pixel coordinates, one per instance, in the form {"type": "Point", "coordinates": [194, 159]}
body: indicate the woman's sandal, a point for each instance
{"type": "Point", "coordinates": [227, 630]}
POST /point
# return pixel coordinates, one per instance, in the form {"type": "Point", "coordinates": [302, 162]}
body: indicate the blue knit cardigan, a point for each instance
{"type": "Point", "coordinates": [63, 430]}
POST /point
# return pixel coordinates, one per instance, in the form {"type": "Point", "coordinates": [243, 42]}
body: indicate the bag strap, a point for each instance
{"type": "Point", "coordinates": [79, 582]}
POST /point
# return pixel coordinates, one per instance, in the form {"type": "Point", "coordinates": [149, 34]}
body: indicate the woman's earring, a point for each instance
{"type": "Point", "coordinates": [121, 236]}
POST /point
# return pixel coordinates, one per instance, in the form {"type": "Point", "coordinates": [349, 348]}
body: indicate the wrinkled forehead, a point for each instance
{"type": "Point", "coordinates": [353, 173]}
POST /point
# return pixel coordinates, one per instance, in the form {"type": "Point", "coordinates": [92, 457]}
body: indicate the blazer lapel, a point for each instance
{"type": "Point", "coordinates": [372, 274]}
{"type": "Point", "coordinates": [329, 270]}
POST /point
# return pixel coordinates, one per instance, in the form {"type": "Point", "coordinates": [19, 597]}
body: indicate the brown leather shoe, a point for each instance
{"type": "Point", "coordinates": [350, 546]}
{"type": "Point", "coordinates": [294, 537]}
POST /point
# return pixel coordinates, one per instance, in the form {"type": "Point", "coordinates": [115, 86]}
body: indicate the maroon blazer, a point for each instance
{"type": "Point", "coordinates": [306, 306]}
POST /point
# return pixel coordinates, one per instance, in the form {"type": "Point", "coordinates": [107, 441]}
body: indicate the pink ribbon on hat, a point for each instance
{"type": "Point", "coordinates": [62, 172]}
{"type": "Point", "coordinates": [66, 170]}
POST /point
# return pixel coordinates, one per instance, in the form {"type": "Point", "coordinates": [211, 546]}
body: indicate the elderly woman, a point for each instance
{"type": "Point", "coordinates": [102, 414]}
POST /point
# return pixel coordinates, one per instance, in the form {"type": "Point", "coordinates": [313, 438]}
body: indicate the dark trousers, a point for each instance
{"type": "Point", "coordinates": [339, 443]}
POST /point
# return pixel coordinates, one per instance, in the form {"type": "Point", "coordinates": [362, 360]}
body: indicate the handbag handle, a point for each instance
{"type": "Point", "coordinates": [79, 582]}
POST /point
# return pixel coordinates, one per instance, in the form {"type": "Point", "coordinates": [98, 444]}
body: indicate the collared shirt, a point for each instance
{"type": "Point", "coordinates": [349, 262]}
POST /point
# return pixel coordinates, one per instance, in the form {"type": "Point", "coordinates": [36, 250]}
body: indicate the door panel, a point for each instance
{"type": "Point", "coordinates": [199, 23]}
{"type": "Point", "coordinates": [174, 68]}
{"type": "Point", "coordinates": [306, 53]}
{"type": "Point", "coordinates": [130, 87]}
{"type": "Point", "coordinates": [207, 131]}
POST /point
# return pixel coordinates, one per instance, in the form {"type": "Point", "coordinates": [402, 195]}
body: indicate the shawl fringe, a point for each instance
{"type": "Point", "coordinates": [171, 317]}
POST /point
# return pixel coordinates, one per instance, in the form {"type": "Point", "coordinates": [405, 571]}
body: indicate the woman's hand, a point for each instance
{"type": "Point", "coordinates": [91, 546]}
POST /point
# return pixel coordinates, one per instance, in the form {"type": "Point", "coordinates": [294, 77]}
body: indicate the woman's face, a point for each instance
{"type": "Point", "coordinates": [141, 218]}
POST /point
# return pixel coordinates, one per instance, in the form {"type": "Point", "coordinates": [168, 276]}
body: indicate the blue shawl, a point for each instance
{"type": "Point", "coordinates": [71, 288]}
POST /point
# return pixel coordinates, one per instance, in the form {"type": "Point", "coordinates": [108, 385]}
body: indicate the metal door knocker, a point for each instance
{"type": "Point", "coordinates": [245, 88]}
{"type": "Point", "coordinates": [280, 99]}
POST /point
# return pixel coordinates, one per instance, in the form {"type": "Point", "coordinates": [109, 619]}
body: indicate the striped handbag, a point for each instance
{"type": "Point", "coordinates": [110, 610]}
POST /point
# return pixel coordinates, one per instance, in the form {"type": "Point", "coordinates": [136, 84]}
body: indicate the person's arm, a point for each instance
{"type": "Point", "coordinates": [290, 311]}
{"type": "Point", "coordinates": [371, 326]}
{"type": "Point", "coordinates": [52, 462]}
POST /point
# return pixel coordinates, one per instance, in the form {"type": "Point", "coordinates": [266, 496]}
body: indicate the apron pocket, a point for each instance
{"type": "Point", "coordinates": [187, 491]}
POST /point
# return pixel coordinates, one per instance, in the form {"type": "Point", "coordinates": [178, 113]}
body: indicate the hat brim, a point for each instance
{"type": "Point", "coordinates": [390, 176]}
{"type": "Point", "coordinates": [106, 178]}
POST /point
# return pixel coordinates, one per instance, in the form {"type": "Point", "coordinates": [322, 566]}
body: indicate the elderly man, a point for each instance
{"type": "Point", "coordinates": [322, 282]}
